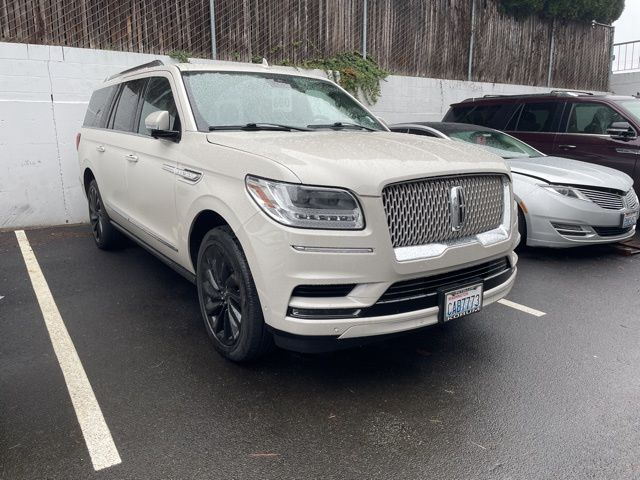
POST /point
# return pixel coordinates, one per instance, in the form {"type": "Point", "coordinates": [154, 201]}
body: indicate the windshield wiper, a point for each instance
{"type": "Point", "coordinates": [339, 125]}
{"type": "Point", "coordinates": [254, 127]}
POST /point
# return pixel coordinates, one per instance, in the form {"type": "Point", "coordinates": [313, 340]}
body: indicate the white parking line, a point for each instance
{"type": "Point", "coordinates": [522, 308]}
{"type": "Point", "coordinates": [96, 433]}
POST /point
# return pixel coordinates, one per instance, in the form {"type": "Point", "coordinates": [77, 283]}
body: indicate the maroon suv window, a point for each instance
{"type": "Point", "coordinates": [593, 118]}
{"type": "Point", "coordinates": [537, 117]}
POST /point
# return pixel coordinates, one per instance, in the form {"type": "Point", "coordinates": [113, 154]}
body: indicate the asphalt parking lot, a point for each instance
{"type": "Point", "coordinates": [501, 394]}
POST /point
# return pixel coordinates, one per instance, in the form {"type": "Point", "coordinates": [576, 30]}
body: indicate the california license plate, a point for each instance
{"type": "Point", "coordinates": [462, 301]}
{"type": "Point", "coordinates": [629, 219]}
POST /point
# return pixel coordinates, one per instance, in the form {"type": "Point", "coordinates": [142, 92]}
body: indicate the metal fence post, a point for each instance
{"type": "Point", "coordinates": [612, 31]}
{"type": "Point", "coordinates": [472, 39]}
{"type": "Point", "coordinates": [212, 17]}
{"type": "Point", "coordinates": [552, 47]}
{"type": "Point", "coordinates": [364, 30]}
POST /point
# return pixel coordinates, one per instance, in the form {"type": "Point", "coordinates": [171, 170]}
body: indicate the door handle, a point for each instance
{"type": "Point", "coordinates": [567, 147]}
{"type": "Point", "coordinates": [132, 158]}
{"type": "Point", "coordinates": [100, 148]}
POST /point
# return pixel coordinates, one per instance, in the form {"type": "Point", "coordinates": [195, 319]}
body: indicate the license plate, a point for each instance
{"type": "Point", "coordinates": [629, 219]}
{"type": "Point", "coordinates": [461, 302]}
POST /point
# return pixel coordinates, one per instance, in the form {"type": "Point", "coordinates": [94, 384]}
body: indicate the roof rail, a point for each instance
{"type": "Point", "coordinates": [570, 92]}
{"type": "Point", "coordinates": [154, 63]}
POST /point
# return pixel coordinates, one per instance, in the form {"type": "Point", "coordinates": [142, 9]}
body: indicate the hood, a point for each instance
{"type": "Point", "coordinates": [565, 171]}
{"type": "Point", "coordinates": [363, 162]}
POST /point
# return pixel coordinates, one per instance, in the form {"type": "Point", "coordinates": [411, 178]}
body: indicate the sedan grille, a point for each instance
{"type": "Point", "coordinates": [418, 212]}
{"type": "Point", "coordinates": [608, 200]}
{"type": "Point", "coordinates": [631, 199]}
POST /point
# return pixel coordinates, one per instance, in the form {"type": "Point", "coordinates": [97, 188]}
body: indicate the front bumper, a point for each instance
{"type": "Point", "coordinates": [558, 222]}
{"type": "Point", "coordinates": [376, 328]}
{"type": "Point", "coordinates": [363, 258]}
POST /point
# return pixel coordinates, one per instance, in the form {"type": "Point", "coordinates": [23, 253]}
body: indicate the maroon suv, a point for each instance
{"type": "Point", "coordinates": [601, 129]}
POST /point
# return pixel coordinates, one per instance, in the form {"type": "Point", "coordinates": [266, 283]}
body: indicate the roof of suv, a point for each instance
{"type": "Point", "coordinates": [553, 95]}
{"type": "Point", "coordinates": [218, 66]}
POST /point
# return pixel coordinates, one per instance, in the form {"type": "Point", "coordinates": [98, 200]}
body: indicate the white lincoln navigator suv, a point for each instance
{"type": "Point", "coordinates": [298, 215]}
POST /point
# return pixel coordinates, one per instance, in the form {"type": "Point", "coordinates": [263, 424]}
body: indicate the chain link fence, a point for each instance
{"type": "Point", "coordinates": [451, 39]}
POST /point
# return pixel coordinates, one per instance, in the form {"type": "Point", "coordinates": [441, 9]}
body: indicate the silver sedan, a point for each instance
{"type": "Point", "coordinates": [561, 202]}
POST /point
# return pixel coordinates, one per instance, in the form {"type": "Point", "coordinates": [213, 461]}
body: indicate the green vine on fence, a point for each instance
{"type": "Point", "coordinates": [357, 75]}
{"type": "Point", "coordinates": [606, 11]}
{"type": "Point", "coordinates": [180, 56]}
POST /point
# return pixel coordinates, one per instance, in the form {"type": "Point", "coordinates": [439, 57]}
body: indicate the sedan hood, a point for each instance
{"type": "Point", "coordinates": [565, 171]}
{"type": "Point", "coordinates": [361, 161]}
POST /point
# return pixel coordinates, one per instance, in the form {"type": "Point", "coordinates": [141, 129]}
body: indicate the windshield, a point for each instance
{"type": "Point", "coordinates": [497, 142]}
{"type": "Point", "coordinates": [631, 106]}
{"type": "Point", "coordinates": [223, 99]}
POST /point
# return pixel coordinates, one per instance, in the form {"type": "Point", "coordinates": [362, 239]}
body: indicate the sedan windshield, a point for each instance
{"type": "Point", "coordinates": [497, 142]}
{"type": "Point", "coordinates": [268, 101]}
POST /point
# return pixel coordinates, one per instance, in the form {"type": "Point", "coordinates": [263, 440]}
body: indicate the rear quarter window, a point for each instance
{"type": "Point", "coordinates": [98, 109]}
{"type": "Point", "coordinates": [492, 116]}
{"type": "Point", "coordinates": [538, 117]}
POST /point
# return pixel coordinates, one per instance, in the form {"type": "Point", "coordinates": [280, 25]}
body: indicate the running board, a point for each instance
{"type": "Point", "coordinates": [163, 258]}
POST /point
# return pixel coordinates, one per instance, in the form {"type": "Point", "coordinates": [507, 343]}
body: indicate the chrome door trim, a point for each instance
{"type": "Point", "coordinates": [189, 176]}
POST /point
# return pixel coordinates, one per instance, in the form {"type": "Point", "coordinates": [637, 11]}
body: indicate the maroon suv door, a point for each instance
{"type": "Point", "coordinates": [583, 136]}
{"type": "Point", "coordinates": [536, 122]}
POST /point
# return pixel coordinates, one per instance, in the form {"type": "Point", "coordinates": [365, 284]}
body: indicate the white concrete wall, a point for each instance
{"type": "Point", "coordinates": [627, 83]}
{"type": "Point", "coordinates": [43, 96]}
{"type": "Point", "coordinates": [406, 99]}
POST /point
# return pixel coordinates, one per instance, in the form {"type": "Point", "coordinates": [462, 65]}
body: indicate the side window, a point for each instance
{"type": "Point", "coordinates": [98, 108]}
{"type": "Point", "coordinates": [125, 113]}
{"type": "Point", "coordinates": [493, 115]}
{"type": "Point", "coordinates": [457, 114]}
{"type": "Point", "coordinates": [158, 96]}
{"type": "Point", "coordinates": [513, 121]}
{"type": "Point", "coordinates": [537, 117]}
{"type": "Point", "coordinates": [594, 118]}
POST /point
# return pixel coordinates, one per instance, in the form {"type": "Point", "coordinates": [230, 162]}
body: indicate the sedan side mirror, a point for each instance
{"type": "Point", "coordinates": [621, 131]}
{"type": "Point", "coordinates": [158, 124]}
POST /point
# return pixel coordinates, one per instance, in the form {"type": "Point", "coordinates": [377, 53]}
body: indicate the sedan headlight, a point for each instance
{"type": "Point", "coordinates": [305, 206]}
{"type": "Point", "coordinates": [566, 191]}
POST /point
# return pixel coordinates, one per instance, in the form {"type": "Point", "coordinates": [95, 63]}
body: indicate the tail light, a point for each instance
{"type": "Point", "coordinates": [77, 140]}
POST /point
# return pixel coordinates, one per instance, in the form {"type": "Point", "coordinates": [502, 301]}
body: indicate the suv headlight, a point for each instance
{"type": "Point", "coordinates": [566, 191]}
{"type": "Point", "coordinates": [305, 206]}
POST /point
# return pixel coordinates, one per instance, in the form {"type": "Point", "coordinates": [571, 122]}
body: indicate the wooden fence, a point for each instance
{"type": "Point", "coordinates": [453, 39]}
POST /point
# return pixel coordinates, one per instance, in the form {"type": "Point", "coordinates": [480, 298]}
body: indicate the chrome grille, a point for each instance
{"type": "Point", "coordinates": [608, 200]}
{"type": "Point", "coordinates": [418, 212]}
{"type": "Point", "coordinates": [631, 199]}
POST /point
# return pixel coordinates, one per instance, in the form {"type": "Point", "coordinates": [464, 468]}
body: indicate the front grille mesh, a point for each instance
{"type": "Point", "coordinates": [608, 200]}
{"type": "Point", "coordinates": [631, 199]}
{"type": "Point", "coordinates": [418, 212]}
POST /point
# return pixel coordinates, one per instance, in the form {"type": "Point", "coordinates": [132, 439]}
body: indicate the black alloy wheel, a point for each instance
{"type": "Point", "coordinates": [95, 212]}
{"type": "Point", "coordinates": [223, 297]}
{"type": "Point", "coordinates": [104, 234]}
{"type": "Point", "coordinates": [228, 298]}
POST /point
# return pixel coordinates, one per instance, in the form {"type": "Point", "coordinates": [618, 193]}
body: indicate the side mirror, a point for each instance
{"type": "Point", "coordinates": [158, 124]}
{"type": "Point", "coordinates": [621, 131]}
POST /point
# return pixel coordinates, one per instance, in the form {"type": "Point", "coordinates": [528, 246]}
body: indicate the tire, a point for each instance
{"type": "Point", "coordinates": [228, 298]}
{"type": "Point", "coordinates": [104, 234]}
{"type": "Point", "coordinates": [522, 229]}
